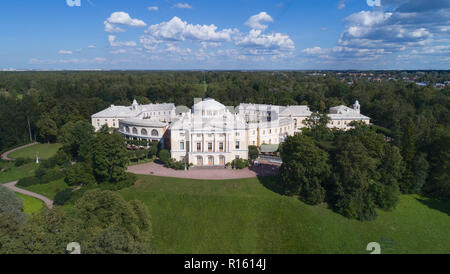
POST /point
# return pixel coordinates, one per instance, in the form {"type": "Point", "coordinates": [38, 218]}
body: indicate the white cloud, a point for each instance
{"type": "Point", "coordinates": [182, 6]}
{"type": "Point", "coordinates": [256, 39]}
{"type": "Point", "coordinates": [91, 46]}
{"type": "Point", "coordinates": [121, 18]}
{"type": "Point", "coordinates": [153, 8]}
{"type": "Point", "coordinates": [314, 50]}
{"type": "Point", "coordinates": [100, 59]}
{"type": "Point", "coordinates": [65, 52]}
{"type": "Point", "coordinates": [113, 43]}
{"type": "Point", "coordinates": [178, 30]}
{"type": "Point", "coordinates": [206, 45]}
{"type": "Point", "coordinates": [256, 21]}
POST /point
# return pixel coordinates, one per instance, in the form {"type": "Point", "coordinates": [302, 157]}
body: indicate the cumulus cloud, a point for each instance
{"type": "Point", "coordinates": [257, 21]}
{"type": "Point", "coordinates": [404, 28]}
{"type": "Point", "coordinates": [259, 40]}
{"type": "Point", "coordinates": [182, 6]}
{"type": "Point", "coordinates": [121, 18]}
{"type": "Point", "coordinates": [178, 30]}
{"type": "Point", "coordinates": [113, 43]}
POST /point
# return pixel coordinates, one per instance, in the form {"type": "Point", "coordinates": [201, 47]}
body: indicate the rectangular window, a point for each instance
{"type": "Point", "coordinates": [199, 147]}
{"type": "Point", "coordinates": [237, 134]}
{"type": "Point", "coordinates": [221, 147]}
{"type": "Point", "coordinates": [209, 147]}
{"type": "Point", "coordinates": [238, 145]}
{"type": "Point", "coordinates": [181, 145]}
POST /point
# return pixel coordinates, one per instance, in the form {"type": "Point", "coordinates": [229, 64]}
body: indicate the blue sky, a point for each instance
{"type": "Point", "coordinates": [232, 34]}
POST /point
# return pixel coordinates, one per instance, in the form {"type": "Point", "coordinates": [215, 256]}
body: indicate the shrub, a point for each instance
{"type": "Point", "coordinates": [253, 152]}
{"type": "Point", "coordinates": [164, 155]}
{"type": "Point", "coordinates": [28, 181]}
{"type": "Point", "coordinates": [128, 182]}
{"type": "Point", "coordinates": [51, 175]}
{"type": "Point", "coordinates": [63, 196]}
{"type": "Point", "coordinates": [177, 165]}
{"type": "Point", "coordinates": [240, 163]}
{"type": "Point", "coordinates": [21, 161]}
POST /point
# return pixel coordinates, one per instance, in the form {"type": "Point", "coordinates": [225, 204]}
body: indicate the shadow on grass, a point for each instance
{"type": "Point", "coordinates": [273, 183]}
{"type": "Point", "coordinates": [441, 205]}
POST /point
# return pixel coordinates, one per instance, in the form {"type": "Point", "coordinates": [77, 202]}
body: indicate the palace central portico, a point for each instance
{"type": "Point", "coordinates": [210, 135]}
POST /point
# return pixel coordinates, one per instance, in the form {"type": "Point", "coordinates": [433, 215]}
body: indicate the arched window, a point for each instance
{"type": "Point", "coordinates": [127, 129]}
{"type": "Point", "coordinates": [199, 160]}
{"type": "Point", "coordinates": [144, 132]}
{"type": "Point", "coordinates": [155, 133]}
{"type": "Point", "coordinates": [135, 131]}
{"type": "Point", "coordinates": [210, 160]}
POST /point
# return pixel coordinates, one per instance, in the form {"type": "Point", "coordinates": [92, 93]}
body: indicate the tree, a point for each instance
{"type": "Point", "coordinates": [109, 158]}
{"type": "Point", "coordinates": [10, 204]}
{"type": "Point", "coordinates": [77, 139]}
{"type": "Point", "coordinates": [253, 152]}
{"type": "Point", "coordinates": [122, 227]}
{"type": "Point", "coordinates": [317, 126]}
{"type": "Point", "coordinates": [352, 182]}
{"type": "Point", "coordinates": [47, 127]}
{"type": "Point", "coordinates": [438, 183]}
{"type": "Point", "coordinates": [79, 174]}
{"type": "Point", "coordinates": [305, 167]}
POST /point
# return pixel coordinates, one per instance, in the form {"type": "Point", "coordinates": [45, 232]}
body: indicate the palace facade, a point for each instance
{"type": "Point", "coordinates": [212, 134]}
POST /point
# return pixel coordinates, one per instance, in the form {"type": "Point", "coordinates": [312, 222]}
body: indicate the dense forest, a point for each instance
{"type": "Point", "coordinates": [415, 119]}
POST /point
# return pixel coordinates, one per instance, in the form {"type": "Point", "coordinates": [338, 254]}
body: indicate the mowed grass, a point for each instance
{"type": "Point", "coordinates": [9, 172]}
{"type": "Point", "coordinates": [48, 190]}
{"type": "Point", "coordinates": [243, 216]}
{"type": "Point", "coordinates": [44, 151]}
{"type": "Point", "coordinates": [30, 204]}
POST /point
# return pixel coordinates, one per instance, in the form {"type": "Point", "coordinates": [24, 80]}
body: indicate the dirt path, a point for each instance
{"type": "Point", "coordinates": [5, 155]}
{"type": "Point", "coordinates": [204, 174]}
{"type": "Point", "coordinates": [12, 186]}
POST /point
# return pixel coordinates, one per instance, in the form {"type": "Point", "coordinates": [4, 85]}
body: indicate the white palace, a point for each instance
{"type": "Point", "coordinates": [212, 134]}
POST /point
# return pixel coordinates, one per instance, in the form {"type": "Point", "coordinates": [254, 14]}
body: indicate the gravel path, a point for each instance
{"type": "Point", "coordinates": [205, 174]}
{"type": "Point", "coordinates": [12, 186]}
{"type": "Point", "coordinates": [5, 155]}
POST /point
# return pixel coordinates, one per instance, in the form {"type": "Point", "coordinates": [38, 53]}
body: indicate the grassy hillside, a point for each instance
{"type": "Point", "coordinates": [48, 190]}
{"type": "Point", "coordinates": [243, 216]}
{"type": "Point", "coordinates": [45, 151]}
{"type": "Point", "coordinates": [9, 172]}
{"type": "Point", "coordinates": [30, 204]}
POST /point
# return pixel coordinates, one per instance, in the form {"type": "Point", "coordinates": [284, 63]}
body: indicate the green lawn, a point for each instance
{"type": "Point", "coordinates": [9, 172]}
{"type": "Point", "coordinates": [48, 190]}
{"type": "Point", "coordinates": [45, 151]}
{"type": "Point", "coordinates": [243, 216]}
{"type": "Point", "coordinates": [30, 204]}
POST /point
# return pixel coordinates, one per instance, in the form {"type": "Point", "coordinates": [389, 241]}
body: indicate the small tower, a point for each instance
{"type": "Point", "coordinates": [357, 106]}
{"type": "Point", "coordinates": [134, 105]}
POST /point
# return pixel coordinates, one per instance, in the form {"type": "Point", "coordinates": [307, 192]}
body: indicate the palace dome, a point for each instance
{"type": "Point", "coordinates": [209, 107]}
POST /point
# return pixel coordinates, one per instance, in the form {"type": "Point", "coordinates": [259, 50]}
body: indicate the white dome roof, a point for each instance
{"type": "Point", "coordinates": [208, 104]}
